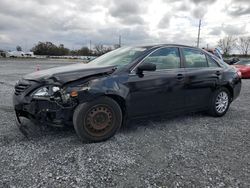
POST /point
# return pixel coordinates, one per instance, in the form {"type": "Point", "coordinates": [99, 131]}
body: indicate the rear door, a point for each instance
{"type": "Point", "coordinates": [160, 91]}
{"type": "Point", "coordinates": [203, 74]}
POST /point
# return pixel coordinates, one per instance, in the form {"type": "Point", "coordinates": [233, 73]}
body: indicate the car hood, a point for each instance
{"type": "Point", "coordinates": [69, 73]}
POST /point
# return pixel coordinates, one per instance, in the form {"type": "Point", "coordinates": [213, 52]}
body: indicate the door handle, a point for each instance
{"type": "Point", "coordinates": [218, 73]}
{"type": "Point", "coordinates": [180, 77]}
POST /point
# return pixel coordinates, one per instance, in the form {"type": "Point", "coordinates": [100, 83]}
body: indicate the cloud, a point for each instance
{"type": "Point", "coordinates": [130, 35]}
{"type": "Point", "coordinates": [199, 11]}
{"type": "Point", "coordinates": [128, 12]}
{"type": "Point", "coordinates": [180, 38]}
{"type": "Point", "coordinates": [164, 22]}
{"type": "Point", "coordinates": [197, 8]}
{"type": "Point", "coordinates": [75, 22]}
{"type": "Point", "coordinates": [4, 39]}
{"type": "Point", "coordinates": [183, 7]}
{"type": "Point", "coordinates": [234, 30]}
{"type": "Point", "coordinates": [201, 7]}
{"type": "Point", "coordinates": [216, 31]}
{"type": "Point", "coordinates": [228, 30]}
{"type": "Point", "coordinates": [203, 1]}
{"type": "Point", "coordinates": [238, 8]}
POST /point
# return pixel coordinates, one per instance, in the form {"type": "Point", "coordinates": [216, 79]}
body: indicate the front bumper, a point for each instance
{"type": "Point", "coordinates": [41, 111]}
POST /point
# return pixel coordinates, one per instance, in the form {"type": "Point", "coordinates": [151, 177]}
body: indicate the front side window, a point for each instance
{"type": "Point", "coordinates": [194, 58]}
{"type": "Point", "coordinates": [165, 58]}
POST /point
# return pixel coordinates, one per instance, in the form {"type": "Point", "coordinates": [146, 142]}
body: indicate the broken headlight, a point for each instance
{"type": "Point", "coordinates": [45, 91]}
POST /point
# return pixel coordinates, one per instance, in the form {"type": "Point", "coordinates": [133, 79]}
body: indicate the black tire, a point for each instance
{"type": "Point", "coordinates": [214, 107]}
{"type": "Point", "coordinates": [97, 120]}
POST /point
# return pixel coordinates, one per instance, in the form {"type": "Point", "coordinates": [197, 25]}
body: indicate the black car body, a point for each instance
{"type": "Point", "coordinates": [142, 81]}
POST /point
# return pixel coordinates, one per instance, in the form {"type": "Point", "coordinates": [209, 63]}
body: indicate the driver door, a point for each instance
{"type": "Point", "coordinates": [159, 91]}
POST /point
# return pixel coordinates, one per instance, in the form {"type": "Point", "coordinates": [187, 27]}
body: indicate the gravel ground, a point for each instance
{"type": "Point", "coordinates": [188, 151]}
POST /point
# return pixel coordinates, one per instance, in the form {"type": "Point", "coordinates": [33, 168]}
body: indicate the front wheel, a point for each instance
{"type": "Point", "coordinates": [220, 102]}
{"type": "Point", "coordinates": [97, 120]}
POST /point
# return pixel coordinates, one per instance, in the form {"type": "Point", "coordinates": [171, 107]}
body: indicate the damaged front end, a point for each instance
{"type": "Point", "coordinates": [49, 104]}
{"type": "Point", "coordinates": [50, 96]}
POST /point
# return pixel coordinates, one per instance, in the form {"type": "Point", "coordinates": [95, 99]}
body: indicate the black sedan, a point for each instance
{"type": "Point", "coordinates": [127, 83]}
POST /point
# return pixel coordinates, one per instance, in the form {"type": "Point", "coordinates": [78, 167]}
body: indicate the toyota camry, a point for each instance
{"type": "Point", "coordinates": [127, 83]}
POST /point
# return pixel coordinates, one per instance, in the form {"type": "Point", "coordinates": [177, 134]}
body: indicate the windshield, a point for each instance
{"type": "Point", "coordinates": [120, 57]}
{"type": "Point", "coordinates": [243, 62]}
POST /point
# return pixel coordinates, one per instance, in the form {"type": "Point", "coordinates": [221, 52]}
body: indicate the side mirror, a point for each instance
{"type": "Point", "coordinates": [145, 67]}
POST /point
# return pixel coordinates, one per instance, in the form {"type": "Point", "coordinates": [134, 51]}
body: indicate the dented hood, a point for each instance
{"type": "Point", "coordinates": [69, 73]}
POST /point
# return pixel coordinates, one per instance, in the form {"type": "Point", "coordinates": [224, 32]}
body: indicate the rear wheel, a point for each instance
{"type": "Point", "coordinates": [220, 102]}
{"type": "Point", "coordinates": [97, 120]}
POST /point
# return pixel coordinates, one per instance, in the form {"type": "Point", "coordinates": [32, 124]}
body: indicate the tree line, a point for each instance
{"type": "Point", "coordinates": [230, 43]}
{"type": "Point", "coordinates": [226, 44]}
{"type": "Point", "coordinates": [50, 49]}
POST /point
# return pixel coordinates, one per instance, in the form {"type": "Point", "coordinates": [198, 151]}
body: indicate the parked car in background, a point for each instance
{"type": "Point", "coordinates": [16, 54]}
{"type": "Point", "coordinates": [232, 60]}
{"type": "Point", "coordinates": [244, 67]}
{"type": "Point", "coordinates": [127, 83]}
{"type": "Point", "coordinates": [29, 54]}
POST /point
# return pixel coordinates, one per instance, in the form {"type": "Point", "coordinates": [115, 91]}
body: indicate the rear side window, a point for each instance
{"type": "Point", "coordinates": [194, 58]}
{"type": "Point", "coordinates": [165, 58]}
{"type": "Point", "coordinates": [211, 62]}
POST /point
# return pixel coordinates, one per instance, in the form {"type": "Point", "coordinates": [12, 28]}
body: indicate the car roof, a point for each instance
{"type": "Point", "coordinates": [163, 45]}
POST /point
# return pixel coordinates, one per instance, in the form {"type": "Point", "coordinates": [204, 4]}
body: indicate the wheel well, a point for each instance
{"type": "Point", "coordinates": [120, 101]}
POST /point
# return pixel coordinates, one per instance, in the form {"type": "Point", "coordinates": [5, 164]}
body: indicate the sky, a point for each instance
{"type": "Point", "coordinates": [75, 22]}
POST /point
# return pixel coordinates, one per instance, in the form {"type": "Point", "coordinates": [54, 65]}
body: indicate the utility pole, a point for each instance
{"type": "Point", "coordinates": [89, 45]}
{"type": "Point", "coordinates": [199, 30]}
{"type": "Point", "coordinates": [120, 41]}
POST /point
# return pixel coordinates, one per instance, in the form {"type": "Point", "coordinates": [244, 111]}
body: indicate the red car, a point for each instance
{"type": "Point", "coordinates": [244, 67]}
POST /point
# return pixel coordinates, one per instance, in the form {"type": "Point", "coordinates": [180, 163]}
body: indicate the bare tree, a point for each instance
{"type": "Point", "coordinates": [227, 44]}
{"type": "Point", "coordinates": [100, 49]}
{"type": "Point", "coordinates": [243, 44]}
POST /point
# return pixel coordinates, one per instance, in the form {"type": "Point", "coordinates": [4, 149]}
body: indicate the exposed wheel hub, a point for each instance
{"type": "Point", "coordinates": [99, 120]}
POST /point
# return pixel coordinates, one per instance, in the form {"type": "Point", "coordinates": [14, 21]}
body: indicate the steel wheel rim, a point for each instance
{"type": "Point", "coordinates": [99, 120]}
{"type": "Point", "coordinates": [221, 102]}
